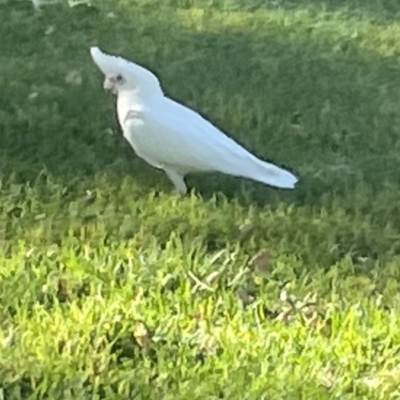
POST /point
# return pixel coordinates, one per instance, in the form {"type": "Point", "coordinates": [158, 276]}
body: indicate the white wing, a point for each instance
{"type": "Point", "coordinates": [169, 134]}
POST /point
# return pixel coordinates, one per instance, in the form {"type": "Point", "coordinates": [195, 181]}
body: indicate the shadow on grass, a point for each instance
{"type": "Point", "coordinates": [314, 103]}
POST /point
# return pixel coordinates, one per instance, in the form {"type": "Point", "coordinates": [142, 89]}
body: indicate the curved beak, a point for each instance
{"type": "Point", "coordinates": [108, 84]}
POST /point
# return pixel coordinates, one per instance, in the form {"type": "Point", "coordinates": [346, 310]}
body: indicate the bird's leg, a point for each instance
{"type": "Point", "coordinates": [178, 180]}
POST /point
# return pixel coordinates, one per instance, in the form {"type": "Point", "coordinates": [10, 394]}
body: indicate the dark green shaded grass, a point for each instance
{"type": "Point", "coordinates": [113, 286]}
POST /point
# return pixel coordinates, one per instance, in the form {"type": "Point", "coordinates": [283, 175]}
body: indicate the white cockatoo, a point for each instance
{"type": "Point", "coordinates": [172, 137]}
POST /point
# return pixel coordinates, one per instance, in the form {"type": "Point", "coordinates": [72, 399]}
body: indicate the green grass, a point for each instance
{"type": "Point", "coordinates": [114, 287]}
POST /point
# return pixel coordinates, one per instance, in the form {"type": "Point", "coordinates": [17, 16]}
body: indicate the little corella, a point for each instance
{"type": "Point", "coordinates": [172, 137]}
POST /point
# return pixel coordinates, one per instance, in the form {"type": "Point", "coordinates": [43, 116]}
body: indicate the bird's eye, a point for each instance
{"type": "Point", "coordinates": [119, 78]}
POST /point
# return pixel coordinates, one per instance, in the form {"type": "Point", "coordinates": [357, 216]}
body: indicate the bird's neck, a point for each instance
{"type": "Point", "coordinates": [129, 100]}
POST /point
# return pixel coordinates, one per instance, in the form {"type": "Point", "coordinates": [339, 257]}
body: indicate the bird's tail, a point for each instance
{"type": "Point", "coordinates": [271, 175]}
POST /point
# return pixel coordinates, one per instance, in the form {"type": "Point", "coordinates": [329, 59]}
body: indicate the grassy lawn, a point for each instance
{"type": "Point", "coordinates": [114, 287]}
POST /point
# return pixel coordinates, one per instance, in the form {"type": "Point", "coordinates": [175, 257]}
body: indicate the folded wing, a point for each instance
{"type": "Point", "coordinates": [169, 134]}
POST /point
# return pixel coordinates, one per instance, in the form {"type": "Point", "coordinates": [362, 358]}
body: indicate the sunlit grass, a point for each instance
{"type": "Point", "coordinates": [112, 286]}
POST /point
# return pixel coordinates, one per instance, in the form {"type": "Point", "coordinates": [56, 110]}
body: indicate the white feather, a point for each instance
{"type": "Point", "coordinates": [175, 138]}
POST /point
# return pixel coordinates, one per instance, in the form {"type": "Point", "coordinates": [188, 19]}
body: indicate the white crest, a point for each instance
{"type": "Point", "coordinates": [142, 78]}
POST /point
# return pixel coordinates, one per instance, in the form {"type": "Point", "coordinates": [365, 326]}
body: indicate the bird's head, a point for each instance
{"type": "Point", "coordinates": [122, 75]}
{"type": "Point", "coordinates": [116, 83]}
